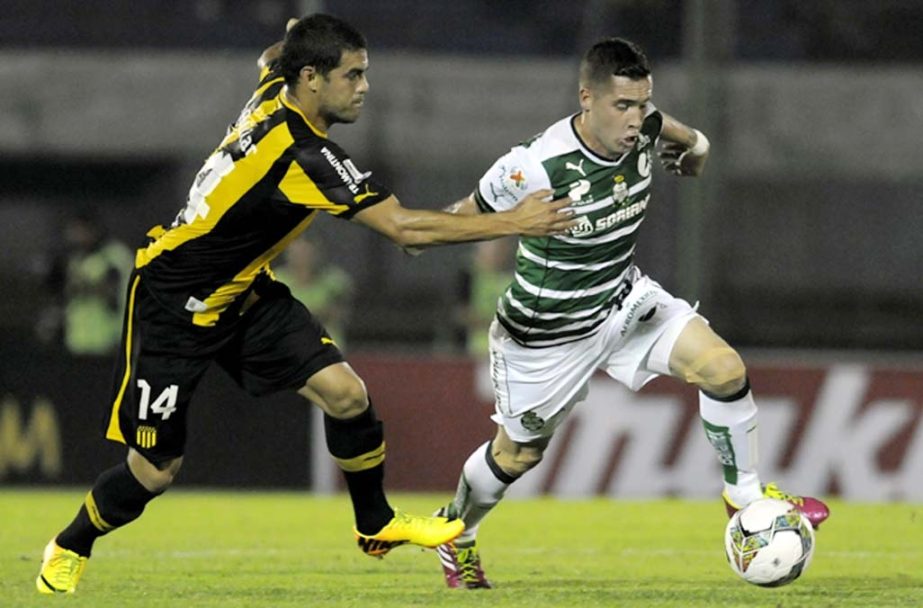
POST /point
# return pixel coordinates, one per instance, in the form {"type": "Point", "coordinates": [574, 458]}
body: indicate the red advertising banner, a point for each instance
{"type": "Point", "coordinates": [847, 429]}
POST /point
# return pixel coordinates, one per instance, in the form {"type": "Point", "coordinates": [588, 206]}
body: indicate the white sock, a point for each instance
{"type": "Point", "coordinates": [480, 487]}
{"type": "Point", "coordinates": [731, 428]}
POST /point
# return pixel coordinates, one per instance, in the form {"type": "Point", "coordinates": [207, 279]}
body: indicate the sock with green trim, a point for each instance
{"type": "Point", "coordinates": [731, 428]}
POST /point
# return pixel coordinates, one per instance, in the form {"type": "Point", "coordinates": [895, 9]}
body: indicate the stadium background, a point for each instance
{"type": "Point", "coordinates": [802, 242]}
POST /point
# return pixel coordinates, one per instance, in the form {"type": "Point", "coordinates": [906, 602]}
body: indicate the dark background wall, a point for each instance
{"type": "Point", "coordinates": [803, 234]}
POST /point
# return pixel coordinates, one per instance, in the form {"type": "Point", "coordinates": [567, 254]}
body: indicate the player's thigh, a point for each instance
{"type": "Point", "coordinates": [278, 346]}
{"type": "Point", "coordinates": [158, 370]}
{"type": "Point", "coordinates": [535, 388]}
{"type": "Point", "coordinates": [638, 337]}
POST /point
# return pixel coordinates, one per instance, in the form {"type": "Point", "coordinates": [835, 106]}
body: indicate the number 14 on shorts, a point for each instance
{"type": "Point", "coordinates": [165, 404]}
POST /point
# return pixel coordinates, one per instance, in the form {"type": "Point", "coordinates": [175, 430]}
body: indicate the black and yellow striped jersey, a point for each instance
{"type": "Point", "coordinates": [264, 184]}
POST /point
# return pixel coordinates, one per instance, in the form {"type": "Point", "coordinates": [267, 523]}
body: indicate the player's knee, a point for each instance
{"type": "Point", "coordinates": [724, 375]}
{"type": "Point", "coordinates": [155, 478]}
{"type": "Point", "coordinates": [347, 400]}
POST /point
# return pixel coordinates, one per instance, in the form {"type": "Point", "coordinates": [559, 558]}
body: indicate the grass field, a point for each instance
{"type": "Point", "coordinates": [199, 549]}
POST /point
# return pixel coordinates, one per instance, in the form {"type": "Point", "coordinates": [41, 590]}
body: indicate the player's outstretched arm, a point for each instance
{"type": "Point", "coordinates": [684, 150]}
{"type": "Point", "coordinates": [535, 215]}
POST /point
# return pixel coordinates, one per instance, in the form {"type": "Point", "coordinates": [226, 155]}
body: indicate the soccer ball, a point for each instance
{"type": "Point", "coordinates": [769, 542]}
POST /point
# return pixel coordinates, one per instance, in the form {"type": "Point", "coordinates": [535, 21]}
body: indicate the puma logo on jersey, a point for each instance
{"type": "Point", "coordinates": [578, 167]}
{"type": "Point", "coordinates": [361, 197]}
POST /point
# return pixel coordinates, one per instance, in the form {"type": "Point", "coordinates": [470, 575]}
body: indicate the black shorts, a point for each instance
{"type": "Point", "coordinates": [275, 345]}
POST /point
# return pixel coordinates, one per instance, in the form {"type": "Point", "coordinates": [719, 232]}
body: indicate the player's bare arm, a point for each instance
{"type": "Point", "coordinates": [535, 215]}
{"type": "Point", "coordinates": [684, 150]}
{"type": "Point", "coordinates": [465, 206]}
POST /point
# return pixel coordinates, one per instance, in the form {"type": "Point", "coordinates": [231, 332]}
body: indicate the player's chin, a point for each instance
{"type": "Point", "coordinates": [347, 117]}
{"type": "Point", "coordinates": [350, 115]}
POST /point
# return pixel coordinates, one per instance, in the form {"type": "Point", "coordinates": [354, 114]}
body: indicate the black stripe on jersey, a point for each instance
{"type": "Point", "coordinates": [482, 204]}
{"type": "Point", "coordinates": [247, 230]}
{"type": "Point", "coordinates": [565, 337]}
{"type": "Point", "coordinates": [251, 137]}
{"type": "Point", "coordinates": [264, 185]}
{"type": "Point", "coordinates": [336, 177]}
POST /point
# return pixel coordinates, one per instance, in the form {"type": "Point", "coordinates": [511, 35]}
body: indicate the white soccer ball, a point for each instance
{"type": "Point", "coordinates": [769, 542]}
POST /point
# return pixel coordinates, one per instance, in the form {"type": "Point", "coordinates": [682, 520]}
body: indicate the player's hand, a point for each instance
{"type": "Point", "coordinates": [679, 159]}
{"type": "Point", "coordinates": [536, 215]}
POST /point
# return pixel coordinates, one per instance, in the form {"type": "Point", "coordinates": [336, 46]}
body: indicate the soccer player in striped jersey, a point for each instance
{"type": "Point", "coordinates": [203, 291]}
{"type": "Point", "coordinates": [577, 302]}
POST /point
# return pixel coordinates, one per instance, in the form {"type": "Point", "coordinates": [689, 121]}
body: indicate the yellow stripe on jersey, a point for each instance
{"type": "Point", "coordinates": [298, 111]}
{"type": "Point", "coordinates": [266, 84]}
{"type": "Point", "coordinates": [363, 462]}
{"type": "Point", "coordinates": [245, 173]}
{"type": "Point", "coordinates": [114, 432]}
{"type": "Point", "coordinates": [301, 189]}
{"type": "Point", "coordinates": [221, 298]}
{"type": "Point", "coordinates": [260, 113]}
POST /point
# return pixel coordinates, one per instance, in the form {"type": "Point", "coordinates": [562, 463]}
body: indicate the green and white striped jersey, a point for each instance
{"type": "Point", "coordinates": [565, 286]}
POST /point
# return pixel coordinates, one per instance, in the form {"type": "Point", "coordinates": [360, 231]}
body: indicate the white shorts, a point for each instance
{"type": "Point", "coordinates": [535, 388]}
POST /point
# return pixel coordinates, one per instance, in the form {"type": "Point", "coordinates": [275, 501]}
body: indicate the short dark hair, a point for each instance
{"type": "Point", "coordinates": [317, 40]}
{"type": "Point", "coordinates": [613, 57]}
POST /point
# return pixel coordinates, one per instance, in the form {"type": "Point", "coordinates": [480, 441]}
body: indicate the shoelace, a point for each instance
{"type": "Point", "coordinates": [64, 567]}
{"type": "Point", "coordinates": [773, 491]}
{"type": "Point", "coordinates": [469, 565]}
{"type": "Point", "coordinates": [406, 520]}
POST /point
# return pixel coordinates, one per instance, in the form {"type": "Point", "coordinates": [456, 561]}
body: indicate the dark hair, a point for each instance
{"type": "Point", "coordinates": [613, 57]}
{"type": "Point", "coordinates": [317, 40]}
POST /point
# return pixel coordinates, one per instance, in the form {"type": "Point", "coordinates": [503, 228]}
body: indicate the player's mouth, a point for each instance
{"type": "Point", "coordinates": [628, 142]}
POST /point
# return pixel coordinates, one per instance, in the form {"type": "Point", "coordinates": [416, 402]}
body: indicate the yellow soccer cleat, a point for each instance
{"type": "Point", "coordinates": [61, 570]}
{"type": "Point", "coordinates": [404, 528]}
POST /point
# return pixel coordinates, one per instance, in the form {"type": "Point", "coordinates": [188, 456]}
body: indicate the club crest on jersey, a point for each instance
{"type": "Point", "coordinates": [619, 189]}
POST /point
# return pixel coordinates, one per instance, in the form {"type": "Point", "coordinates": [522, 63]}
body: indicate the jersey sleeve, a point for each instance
{"type": "Point", "coordinates": [322, 176]}
{"type": "Point", "coordinates": [509, 180]}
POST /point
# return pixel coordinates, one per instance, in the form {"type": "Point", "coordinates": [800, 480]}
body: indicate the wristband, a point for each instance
{"type": "Point", "coordinates": [701, 144]}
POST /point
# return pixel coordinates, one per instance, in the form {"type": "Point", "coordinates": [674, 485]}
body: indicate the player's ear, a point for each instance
{"type": "Point", "coordinates": [310, 76]}
{"type": "Point", "coordinates": [585, 96]}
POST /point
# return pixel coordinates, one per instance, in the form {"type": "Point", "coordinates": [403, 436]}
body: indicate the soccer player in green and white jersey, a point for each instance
{"type": "Point", "coordinates": [578, 303]}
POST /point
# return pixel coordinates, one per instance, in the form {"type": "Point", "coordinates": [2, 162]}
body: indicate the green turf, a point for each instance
{"type": "Point", "coordinates": [198, 549]}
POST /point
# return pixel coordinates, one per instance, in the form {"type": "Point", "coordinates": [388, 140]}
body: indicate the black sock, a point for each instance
{"type": "Point", "coordinates": [116, 499]}
{"type": "Point", "coordinates": [357, 444]}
